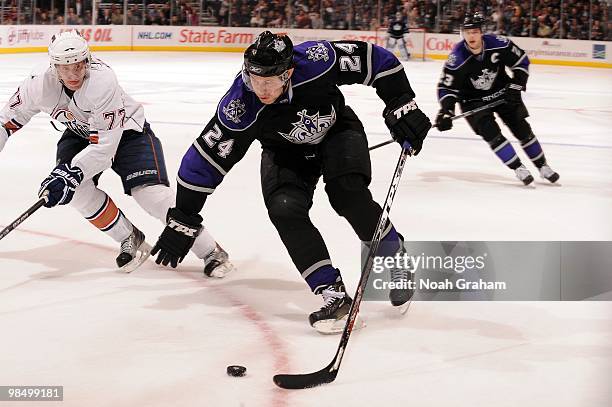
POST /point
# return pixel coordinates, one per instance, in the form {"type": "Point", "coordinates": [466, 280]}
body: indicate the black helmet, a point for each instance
{"type": "Point", "coordinates": [270, 55]}
{"type": "Point", "coordinates": [475, 20]}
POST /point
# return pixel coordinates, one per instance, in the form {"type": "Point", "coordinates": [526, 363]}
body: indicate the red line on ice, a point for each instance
{"type": "Point", "coordinates": [280, 397]}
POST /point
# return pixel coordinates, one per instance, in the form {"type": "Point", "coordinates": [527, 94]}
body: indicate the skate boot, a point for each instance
{"type": "Point", "coordinates": [217, 264]}
{"type": "Point", "coordinates": [400, 293]}
{"type": "Point", "coordinates": [134, 251]}
{"type": "Point", "coordinates": [523, 174]}
{"type": "Point", "coordinates": [331, 318]}
{"type": "Point", "coordinates": [547, 173]}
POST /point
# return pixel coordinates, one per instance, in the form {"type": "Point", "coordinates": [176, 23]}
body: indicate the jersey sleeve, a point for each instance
{"type": "Point", "coordinates": [364, 63]}
{"type": "Point", "coordinates": [106, 125]}
{"type": "Point", "coordinates": [517, 60]}
{"type": "Point", "coordinates": [451, 80]}
{"type": "Point", "coordinates": [223, 143]}
{"type": "Point", "coordinates": [23, 105]}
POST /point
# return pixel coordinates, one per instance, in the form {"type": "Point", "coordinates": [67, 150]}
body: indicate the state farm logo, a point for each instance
{"type": "Point", "coordinates": [547, 43]}
{"type": "Point", "coordinates": [16, 36]}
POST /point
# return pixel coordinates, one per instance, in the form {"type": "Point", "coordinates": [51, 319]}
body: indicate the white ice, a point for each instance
{"type": "Point", "coordinates": [162, 337]}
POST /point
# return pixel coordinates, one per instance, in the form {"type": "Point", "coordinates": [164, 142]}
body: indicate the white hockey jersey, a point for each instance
{"type": "Point", "coordinates": [99, 111]}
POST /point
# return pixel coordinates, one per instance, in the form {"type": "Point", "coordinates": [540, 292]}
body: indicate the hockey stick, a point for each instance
{"type": "Point", "coordinates": [23, 216]}
{"type": "Point", "coordinates": [329, 373]}
{"type": "Point", "coordinates": [462, 115]}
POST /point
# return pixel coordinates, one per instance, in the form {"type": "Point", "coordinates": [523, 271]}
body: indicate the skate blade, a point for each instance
{"type": "Point", "coordinates": [222, 270]}
{"type": "Point", "coordinates": [142, 254]}
{"type": "Point", "coordinates": [404, 307]}
{"type": "Point", "coordinates": [336, 326]}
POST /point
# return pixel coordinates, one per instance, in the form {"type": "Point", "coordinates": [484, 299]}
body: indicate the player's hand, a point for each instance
{"type": "Point", "coordinates": [177, 238]}
{"type": "Point", "coordinates": [407, 122]}
{"type": "Point", "coordinates": [61, 184]}
{"type": "Point", "coordinates": [444, 120]}
{"type": "Point", "coordinates": [512, 93]}
{"type": "Point", "coordinates": [4, 135]}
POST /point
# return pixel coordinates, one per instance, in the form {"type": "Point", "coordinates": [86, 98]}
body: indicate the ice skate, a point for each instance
{"type": "Point", "coordinates": [548, 173]}
{"type": "Point", "coordinates": [331, 318]}
{"type": "Point", "coordinates": [523, 174]}
{"type": "Point", "coordinates": [217, 263]}
{"type": "Point", "coordinates": [134, 251]}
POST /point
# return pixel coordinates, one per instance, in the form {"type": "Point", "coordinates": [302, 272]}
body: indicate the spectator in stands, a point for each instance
{"type": "Point", "coordinates": [544, 30]}
{"type": "Point", "coordinates": [104, 18]}
{"type": "Point", "coordinates": [72, 18]}
{"type": "Point", "coordinates": [302, 20]}
{"type": "Point", "coordinates": [116, 16]}
{"type": "Point", "coordinates": [316, 21]}
{"type": "Point", "coordinates": [133, 19]}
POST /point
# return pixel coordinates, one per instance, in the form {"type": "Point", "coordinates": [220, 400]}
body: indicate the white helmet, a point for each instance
{"type": "Point", "coordinates": [68, 47]}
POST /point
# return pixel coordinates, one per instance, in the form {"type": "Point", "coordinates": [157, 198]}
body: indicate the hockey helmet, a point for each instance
{"type": "Point", "coordinates": [270, 55]}
{"type": "Point", "coordinates": [68, 47]}
{"type": "Point", "coordinates": [475, 20]}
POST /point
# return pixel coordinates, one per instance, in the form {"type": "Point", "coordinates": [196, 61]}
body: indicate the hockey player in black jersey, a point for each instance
{"type": "Point", "coordinates": [396, 35]}
{"type": "Point", "coordinates": [475, 75]}
{"type": "Point", "coordinates": [288, 99]}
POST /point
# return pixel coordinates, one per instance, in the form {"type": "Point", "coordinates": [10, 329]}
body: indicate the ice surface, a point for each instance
{"type": "Point", "coordinates": [161, 337]}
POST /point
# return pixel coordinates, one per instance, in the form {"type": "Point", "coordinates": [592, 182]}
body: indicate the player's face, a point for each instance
{"type": "Point", "coordinates": [72, 75]}
{"type": "Point", "coordinates": [269, 88]}
{"type": "Point", "coordinates": [473, 37]}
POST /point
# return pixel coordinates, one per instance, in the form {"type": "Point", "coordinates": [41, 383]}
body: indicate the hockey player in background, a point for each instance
{"type": "Point", "coordinates": [397, 34]}
{"type": "Point", "coordinates": [105, 128]}
{"type": "Point", "coordinates": [475, 75]}
{"type": "Point", "coordinates": [288, 99]}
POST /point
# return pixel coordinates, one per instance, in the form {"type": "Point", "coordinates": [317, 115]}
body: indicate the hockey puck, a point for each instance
{"type": "Point", "coordinates": [236, 371]}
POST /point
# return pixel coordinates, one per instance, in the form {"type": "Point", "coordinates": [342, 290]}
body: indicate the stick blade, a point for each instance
{"type": "Point", "coordinates": [305, 381]}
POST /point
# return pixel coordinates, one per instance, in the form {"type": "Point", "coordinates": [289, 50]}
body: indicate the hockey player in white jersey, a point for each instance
{"type": "Point", "coordinates": [105, 128]}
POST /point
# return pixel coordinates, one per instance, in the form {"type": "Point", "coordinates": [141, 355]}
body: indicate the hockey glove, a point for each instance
{"type": "Point", "coordinates": [61, 184]}
{"type": "Point", "coordinates": [444, 120]}
{"type": "Point", "coordinates": [407, 122]}
{"type": "Point", "coordinates": [512, 93]}
{"type": "Point", "coordinates": [177, 238]}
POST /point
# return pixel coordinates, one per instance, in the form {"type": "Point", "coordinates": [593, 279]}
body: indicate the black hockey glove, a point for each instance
{"type": "Point", "coordinates": [444, 120]}
{"type": "Point", "coordinates": [60, 185]}
{"type": "Point", "coordinates": [512, 93]}
{"type": "Point", "coordinates": [407, 122]}
{"type": "Point", "coordinates": [177, 238]}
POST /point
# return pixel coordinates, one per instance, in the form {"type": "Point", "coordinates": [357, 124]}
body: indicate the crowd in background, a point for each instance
{"type": "Point", "coordinates": [572, 19]}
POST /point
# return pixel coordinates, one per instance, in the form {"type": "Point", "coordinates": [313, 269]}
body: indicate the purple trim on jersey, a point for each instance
{"type": "Point", "coordinates": [321, 277]}
{"type": "Point", "coordinates": [239, 108]}
{"type": "Point", "coordinates": [390, 244]}
{"type": "Point", "coordinates": [307, 69]}
{"type": "Point", "coordinates": [524, 64]}
{"type": "Point", "coordinates": [506, 153]}
{"type": "Point", "coordinates": [382, 60]}
{"type": "Point", "coordinates": [494, 41]}
{"type": "Point", "coordinates": [533, 150]}
{"type": "Point", "coordinates": [445, 92]}
{"type": "Point", "coordinates": [197, 171]}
